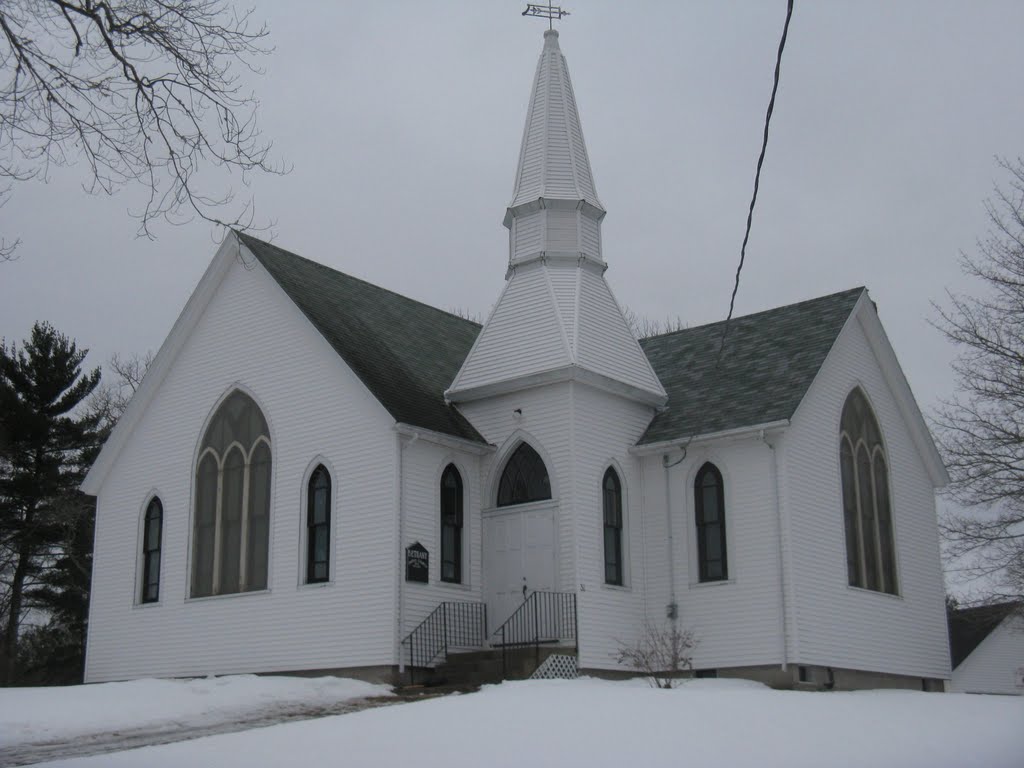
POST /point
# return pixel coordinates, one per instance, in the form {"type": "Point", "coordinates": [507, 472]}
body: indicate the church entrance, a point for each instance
{"type": "Point", "coordinates": [518, 557]}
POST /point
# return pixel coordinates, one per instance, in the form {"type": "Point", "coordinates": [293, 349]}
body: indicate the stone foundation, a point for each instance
{"type": "Point", "coordinates": [801, 678]}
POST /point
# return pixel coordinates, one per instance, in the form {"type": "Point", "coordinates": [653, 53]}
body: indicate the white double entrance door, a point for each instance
{"type": "Point", "coordinates": [518, 558]}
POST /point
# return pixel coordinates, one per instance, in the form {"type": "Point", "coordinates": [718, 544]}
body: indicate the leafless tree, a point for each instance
{"type": "Point", "coordinates": [111, 397]}
{"type": "Point", "coordinates": [981, 429]}
{"type": "Point", "coordinates": [643, 326]}
{"type": "Point", "coordinates": [661, 654]}
{"type": "Point", "coordinates": [143, 91]}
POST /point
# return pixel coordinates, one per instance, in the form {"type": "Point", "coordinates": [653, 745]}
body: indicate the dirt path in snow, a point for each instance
{"type": "Point", "coordinates": [117, 741]}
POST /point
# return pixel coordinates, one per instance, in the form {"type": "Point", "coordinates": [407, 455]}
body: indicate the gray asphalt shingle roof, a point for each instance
{"type": "Point", "coordinates": [769, 361]}
{"type": "Point", "coordinates": [408, 353]}
{"type": "Point", "coordinates": [405, 352]}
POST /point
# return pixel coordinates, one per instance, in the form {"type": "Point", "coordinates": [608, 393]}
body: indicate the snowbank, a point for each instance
{"type": "Point", "coordinates": [600, 723]}
{"type": "Point", "coordinates": [51, 714]}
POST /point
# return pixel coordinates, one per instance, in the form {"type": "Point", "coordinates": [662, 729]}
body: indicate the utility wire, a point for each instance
{"type": "Point", "coordinates": [750, 212]}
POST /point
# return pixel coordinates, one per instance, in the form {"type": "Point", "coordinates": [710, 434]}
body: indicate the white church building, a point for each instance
{"type": "Point", "coordinates": [319, 474]}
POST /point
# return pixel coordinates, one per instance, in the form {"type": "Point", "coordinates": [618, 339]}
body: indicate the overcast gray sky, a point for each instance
{"type": "Point", "coordinates": [403, 121]}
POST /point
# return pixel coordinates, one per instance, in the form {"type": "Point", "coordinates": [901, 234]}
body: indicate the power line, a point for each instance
{"type": "Point", "coordinates": [750, 211]}
{"type": "Point", "coordinates": [757, 175]}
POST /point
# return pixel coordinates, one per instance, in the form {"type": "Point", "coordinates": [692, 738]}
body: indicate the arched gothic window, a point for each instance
{"type": "Point", "coordinates": [612, 503]}
{"type": "Point", "coordinates": [152, 533]}
{"type": "Point", "coordinates": [525, 478]}
{"type": "Point", "coordinates": [318, 526]}
{"type": "Point", "coordinates": [709, 496]}
{"type": "Point", "coordinates": [451, 525]}
{"type": "Point", "coordinates": [867, 515]}
{"type": "Point", "coordinates": [232, 515]}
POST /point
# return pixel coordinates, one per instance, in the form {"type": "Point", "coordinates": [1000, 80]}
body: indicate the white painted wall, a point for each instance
{"type": "Point", "coordinates": [736, 622]}
{"type": "Point", "coordinates": [604, 428]}
{"type": "Point", "coordinates": [835, 624]}
{"type": "Point", "coordinates": [252, 334]}
{"type": "Point", "coordinates": [422, 465]}
{"type": "Point", "coordinates": [545, 423]}
{"type": "Point", "coordinates": [996, 664]}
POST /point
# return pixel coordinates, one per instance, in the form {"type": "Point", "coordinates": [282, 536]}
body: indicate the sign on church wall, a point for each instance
{"type": "Point", "coordinates": [417, 563]}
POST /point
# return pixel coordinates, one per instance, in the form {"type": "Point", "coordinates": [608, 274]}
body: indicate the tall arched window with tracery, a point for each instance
{"type": "Point", "coordinates": [232, 515]}
{"type": "Point", "coordinates": [867, 507]}
{"type": "Point", "coordinates": [524, 479]}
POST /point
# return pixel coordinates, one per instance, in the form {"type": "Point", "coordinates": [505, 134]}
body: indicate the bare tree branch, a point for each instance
{"type": "Point", "coordinates": [981, 429]}
{"type": "Point", "coordinates": [143, 91]}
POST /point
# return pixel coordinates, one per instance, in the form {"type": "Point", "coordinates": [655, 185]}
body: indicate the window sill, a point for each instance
{"type": "Point", "coordinates": [154, 604]}
{"type": "Point", "coordinates": [616, 587]}
{"type": "Point", "coordinates": [706, 584]}
{"type": "Point", "coordinates": [866, 591]}
{"type": "Point", "coordinates": [315, 584]}
{"type": "Point", "coordinates": [228, 596]}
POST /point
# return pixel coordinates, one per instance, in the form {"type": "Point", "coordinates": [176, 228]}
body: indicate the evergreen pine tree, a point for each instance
{"type": "Point", "coordinates": [43, 459]}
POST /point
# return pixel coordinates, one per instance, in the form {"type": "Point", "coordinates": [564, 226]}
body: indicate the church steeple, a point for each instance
{"type": "Point", "coordinates": [554, 208]}
{"type": "Point", "coordinates": [556, 320]}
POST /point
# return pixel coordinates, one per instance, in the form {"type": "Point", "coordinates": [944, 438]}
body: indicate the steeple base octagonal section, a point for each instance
{"type": "Point", "coordinates": [556, 320]}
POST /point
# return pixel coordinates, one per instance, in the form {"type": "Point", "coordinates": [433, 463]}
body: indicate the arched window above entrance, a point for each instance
{"type": "Point", "coordinates": [524, 479]}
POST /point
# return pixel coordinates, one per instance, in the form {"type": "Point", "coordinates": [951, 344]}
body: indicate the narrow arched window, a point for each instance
{"type": "Point", "coordinates": [709, 493]}
{"type": "Point", "coordinates": [152, 532]}
{"type": "Point", "coordinates": [612, 503]}
{"type": "Point", "coordinates": [318, 526]}
{"type": "Point", "coordinates": [231, 531]}
{"type": "Point", "coordinates": [524, 479]}
{"type": "Point", "coordinates": [451, 525]}
{"type": "Point", "coordinates": [867, 509]}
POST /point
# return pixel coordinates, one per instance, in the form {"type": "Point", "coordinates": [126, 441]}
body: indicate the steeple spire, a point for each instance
{"type": "Point", "coordinates": [554, 208]}
{"type": "Point", "coordinates": [556, 320]}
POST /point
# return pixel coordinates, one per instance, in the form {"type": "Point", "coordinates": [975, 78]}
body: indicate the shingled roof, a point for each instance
{"type": "Point", "coordinates": [769, 361]}
{"type": "Point", "coordinates": [405, 352]}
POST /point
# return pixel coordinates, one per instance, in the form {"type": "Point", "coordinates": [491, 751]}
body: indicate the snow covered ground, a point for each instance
{"type": "Point", "coordinates": [36, 715]}
{"type": "Point", "coordinates": [600, 723]}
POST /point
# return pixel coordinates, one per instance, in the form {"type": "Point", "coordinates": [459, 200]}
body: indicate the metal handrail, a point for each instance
{"type": "Point", "coordinates": [458, 624]}
{"type": "Point", "coordinates": [544, 617]}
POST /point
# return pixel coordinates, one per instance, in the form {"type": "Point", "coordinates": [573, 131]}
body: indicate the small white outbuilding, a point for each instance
{"type": "Point", "coordinates": [987, 647]}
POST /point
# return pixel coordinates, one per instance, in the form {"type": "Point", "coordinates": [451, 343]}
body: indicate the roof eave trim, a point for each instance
{"type": "Point", "coordinates": [906, 403]}
{"type": "Point", "coordinates": [448, 441]}
{"type": "Point", "coordinates": [647, 449]}
{"type": "Point", "coordinates": [188, 319]}
{"type": "Point", "coordinates": [555, 376]}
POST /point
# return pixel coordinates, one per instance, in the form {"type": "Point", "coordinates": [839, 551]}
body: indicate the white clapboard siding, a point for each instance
{"type": "Point", "coordinates": [552, 316]}
{"type": "Point", "coordinates": [544, 422]}
{"type": "Point", "coordinates": [997, 664]}
{"type": "Point", "coordinates": [605, 343]}
{"type": "Point", "coordinates": [252, 335]}
{"type": "Point", "coordinates": [604, 428]}
{"type": "Point", "coordinates": [522, 336]}
{"type": "Point", "coordinates": [835, 624]}
{"type": "Point", "coordinates": [553, 160]}
{"type": "Point", "coordinates": [736, 622]}
{"type": "Point", "coordinates": [422, 465]}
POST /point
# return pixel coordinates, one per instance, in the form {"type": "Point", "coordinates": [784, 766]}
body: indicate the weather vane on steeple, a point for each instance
{"type": "Point", "coordinates": [549, 12]}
